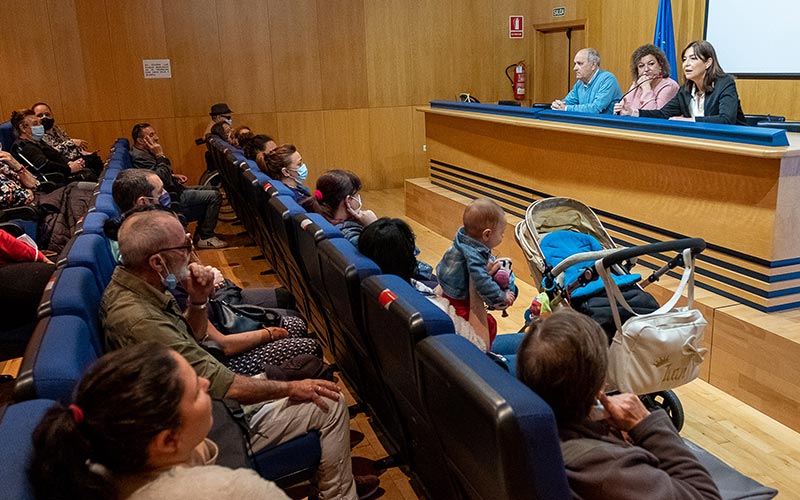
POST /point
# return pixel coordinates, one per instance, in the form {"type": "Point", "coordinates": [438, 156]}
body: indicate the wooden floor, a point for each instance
{"type": "Point", "coordinates": [746, 439]}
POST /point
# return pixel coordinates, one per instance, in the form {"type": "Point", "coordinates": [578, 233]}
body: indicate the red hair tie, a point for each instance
{"type": "Point", "coordinates": [318, 195]}
{"type": "Point", "coordinates": [77, 413]}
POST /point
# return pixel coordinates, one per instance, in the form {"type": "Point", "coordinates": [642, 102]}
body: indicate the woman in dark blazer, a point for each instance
{"type": "Point", "coordinates": [707, 95]}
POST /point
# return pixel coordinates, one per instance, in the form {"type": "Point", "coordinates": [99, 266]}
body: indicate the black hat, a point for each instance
{"type": "Point", "coordinates": [220, 109]}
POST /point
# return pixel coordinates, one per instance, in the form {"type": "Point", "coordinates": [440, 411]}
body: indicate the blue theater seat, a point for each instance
{"type": "Point", "coordinates": [75, 292]}
{"type": "Point", "coordinates": [17, 423]}
{"type": "Point", "coordinates": [105, 203]}
{"type": "Point", "coordinates": [499, 437]}
{"type": "Point", "coordinates": [93, 252]}
{"type": "Point", "coordinates": [396, 318]}
{"type": "Point", "coordinates": [93, 223]}
{"type": "Point", "coordinates": [59, 352]}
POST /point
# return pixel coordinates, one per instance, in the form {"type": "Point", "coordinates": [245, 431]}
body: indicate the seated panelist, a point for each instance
{"type": "Point", "coordinates": [707, 95]}
{"type": "Point", "coordinates": [652, 86]}
{"type": "Point", "coordinates": [596, 90]}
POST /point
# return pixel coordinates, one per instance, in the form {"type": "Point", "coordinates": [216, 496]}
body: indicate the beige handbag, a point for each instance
{"type": "Point", "coordinates": [660, 350]}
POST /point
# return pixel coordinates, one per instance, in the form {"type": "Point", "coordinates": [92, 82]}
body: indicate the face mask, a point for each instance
{"type": "Point", "coordinates": [37, 131]}
{"type": "Point", "coordinates": [170, 281]}
{"type": "Point", "coordinates": [48, 123]}
{"type": "Point", "coordinates": [165, 200]}
{"type": "Point", "coordinates": [229, 121]}
{"type": "Point", "coordinates": [302, 173]}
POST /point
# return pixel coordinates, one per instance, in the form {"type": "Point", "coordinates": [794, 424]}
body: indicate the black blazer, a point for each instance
{"type": "Point", "coordinates": [722, 105]}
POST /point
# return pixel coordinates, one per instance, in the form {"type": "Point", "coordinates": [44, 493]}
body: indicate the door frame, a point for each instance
{"type": "Point", "coordinates": [539, 31]}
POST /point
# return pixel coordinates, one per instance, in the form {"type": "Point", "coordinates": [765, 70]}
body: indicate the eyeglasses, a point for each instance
{"type": "Point", "coordinates": [188, 246]}
{"type": "Point", "coordinates": [356, 198]}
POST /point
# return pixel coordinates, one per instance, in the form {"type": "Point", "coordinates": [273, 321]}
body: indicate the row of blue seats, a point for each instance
{"type": "Point", "coordinates": [434, 397]}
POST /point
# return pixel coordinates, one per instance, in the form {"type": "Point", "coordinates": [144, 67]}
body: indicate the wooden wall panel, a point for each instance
{"type": "Point", "coordinates": [390, 81]}
{"type": "Point", "coordinates": [543, 12]}
{"type": "Point", "coordinates": [193, 47]}
{"type": "Point", "coordinates": [29, 67]}
{"type": "Point", "coordinates": [343, 53]}
{"type": "Point", "coordinates": [615, 44]}
{"type": "Point", "coordinates": [472, 48]}
{"type": "Point", "coordinates": [347, 144]}
{"type": "Point", "coordinates": [245, 47]}
{"type": "Point", "coordinates": [80, 31]}
{"type": "Point", "coordinates": [138, 33]}
{"type": "Point", "coordinates": [420, 168]}
{"type": "Point", "coordinates": [434, 57]}
{"type": "Point", "coordinates": [295, 55]}
{"type": "Point", "coordinates": [100, 135]}
{"type": "Point", "coordinates": [260, 123]}
{"type": "Point", "coordinates": [306, 131]}
{"type": "Point", "coordinates": [391, 144]}
{"type": "Point", "coordinates": [507, 50]}
{"type": "Point", "coordinates": [189, 158]}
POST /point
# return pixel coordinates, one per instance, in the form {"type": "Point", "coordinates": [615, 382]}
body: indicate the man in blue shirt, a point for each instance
{"type": "Point", "coordinates": [596, 90]}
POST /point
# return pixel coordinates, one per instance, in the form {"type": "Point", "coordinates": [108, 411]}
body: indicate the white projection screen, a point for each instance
{"type": "Point", "coordinates": [757, 38]}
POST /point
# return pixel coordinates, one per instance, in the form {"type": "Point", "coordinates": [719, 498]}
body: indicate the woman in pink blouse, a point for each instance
{"type": "Point", "coordinates": [653, 86]}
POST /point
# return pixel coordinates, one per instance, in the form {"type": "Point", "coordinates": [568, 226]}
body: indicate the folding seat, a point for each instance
{"type": "Point", "coordinates": [396, 318]}
{"type": "Point", "coordinates": [500, 439]}
{"type": "Point", "coordinates": [105, 203]}
{"type": "Point", "coordinates": [93, 223]}
{"type": "Point", "coordinates": [17, 423]}
{"type": "Point", "coordinates": [93, 252]}
{"type": "Point", "coordinates": [59, 352]}
{"type": "Point", "coordinates": [280, 210]}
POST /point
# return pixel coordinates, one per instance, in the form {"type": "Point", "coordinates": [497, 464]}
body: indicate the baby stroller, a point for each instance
{"type": "Point", "coordinates": [563, 239]}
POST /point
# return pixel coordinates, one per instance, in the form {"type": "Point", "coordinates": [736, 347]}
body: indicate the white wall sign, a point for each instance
{"type": "Point", "coordinates": [157, 68]}
{"type": "Point", "coordinates": [559, 11]}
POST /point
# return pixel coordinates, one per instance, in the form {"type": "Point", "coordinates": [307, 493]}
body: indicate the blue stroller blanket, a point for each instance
{"type": "Point", "coordinates": [559, 245]}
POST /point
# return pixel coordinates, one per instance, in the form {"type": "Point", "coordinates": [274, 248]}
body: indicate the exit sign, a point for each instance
{"type": "Point", "coordinates": [559, 11]}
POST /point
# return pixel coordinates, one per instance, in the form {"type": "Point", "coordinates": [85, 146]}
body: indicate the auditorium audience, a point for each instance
{"type": "Point", "coordinates": [596, 90]}
{"type": "Point", "coordinates": [196, 203]}
{"type": "Point", "coordinates": [24, 273]}
{"type": "Point", "coordinates": [337, 199]}
{"type": "Point", "coordinates": [58, 139]}
{"type": "Point", "coordinates": [285, 164]}
{"type": "Point", "coordinates": [41, 158]}
{"type": "Point", "coordinates": [625, 452]}
{"type": "Point", "coordinates": [276, 344]}
{"type": "Point", "coordinates": [220, 113]}
{"type": "Point", "coordinates": [707, 95]}
{"type": "Point", "coordinates": [17, 184]}
{"type": "Point", "coordinates": [136, 429]}
{"type": "Point", "coordinates": [652, 86]}
{"type": "Point", "coordinates": [135, 309]}
{"type": "Point", "coordinates": [257, 145]}
{"type": "Point", "coordinates": [391, 244]}
{"type": "Point", "coordinates": [222, 130]}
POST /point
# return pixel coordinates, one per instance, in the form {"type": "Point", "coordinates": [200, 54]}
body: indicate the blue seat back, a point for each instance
{"type": "Point", "coordinates": [94, 222]}
{"type": "Point", "coordinates": [17, 423]}
{"type": "Point", "coordinates": [58, 354]}
{"type": "Point", "coordinates": [6, 135]}
{"type": "Point", "coordinates": [500, 438]}
{"type": "Point", "coordinates": [281, 209]}
{"type": "Point", "coordinates": [74, 292]}
{"type": "Point", "coordinates": [93, 252]}
{"type": "Point", "coordinates": [105, 203]}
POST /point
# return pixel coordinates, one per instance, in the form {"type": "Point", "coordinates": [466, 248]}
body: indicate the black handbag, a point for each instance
{"type": "Point", "coordinates": [229, 318]}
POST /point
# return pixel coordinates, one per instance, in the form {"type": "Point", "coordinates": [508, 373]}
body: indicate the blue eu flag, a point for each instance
{"type": "Point", "coordinates": [664, 36]}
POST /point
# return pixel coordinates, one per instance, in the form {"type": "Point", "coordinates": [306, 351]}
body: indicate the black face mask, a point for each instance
{"type": "Point", "coordinates": [47, 123]}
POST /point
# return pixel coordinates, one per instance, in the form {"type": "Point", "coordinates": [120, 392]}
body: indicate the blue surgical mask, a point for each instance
{"type": "Point", "coordinates": [165, 200]}
{"type": "Point", "coordinates": [170, 281]}
{"type": "Point", "coordinates": [37, 131]}
{"type": "Point", "coordinates": [302, 173]}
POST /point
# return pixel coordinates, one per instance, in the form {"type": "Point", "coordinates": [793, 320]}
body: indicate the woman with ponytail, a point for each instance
{"type": "Point", "coordinates": [137, 430]}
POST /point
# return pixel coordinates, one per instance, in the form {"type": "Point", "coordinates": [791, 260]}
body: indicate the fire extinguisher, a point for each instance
{"type": "Point", "coordinates": [518, 82]}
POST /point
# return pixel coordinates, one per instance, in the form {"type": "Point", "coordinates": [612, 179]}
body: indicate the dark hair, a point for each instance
{"type": "Point", "coordinates": [41, 104]}
{"type": "Point", "coordinates": [240, 136]}
{"type": "Point", "coordinates": [390, 243]}
{"type": "Point", "coordinates": [649, 50]}
{"type": "Point", "coordinates": [17, 117]}
{"type": "Point", "coordinates": [137, 130]}
{"type": "Point", "coordinates": [218, 129]}
{"type": "Point", "coordinates": [564, 360]}
{"type": "Point", "coordinates": [255, 145]}
{"type": "Point", "coordinates": [130, 184]}
{"type": "Point", "coordinates": [334, 186]}
{"type": "Point", "coordinates": [275, 161]}
{"type": "Point", "coordinates": [127, 397]}
{"type": "Point", "coordinates": [704, 51]}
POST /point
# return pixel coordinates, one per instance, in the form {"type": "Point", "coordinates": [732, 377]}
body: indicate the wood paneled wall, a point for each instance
{"type": "Point", "coordinates": [339, 78]}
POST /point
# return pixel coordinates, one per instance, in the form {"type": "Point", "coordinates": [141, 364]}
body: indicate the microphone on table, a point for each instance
{"type": "Point", "coordinates": [658, 77]}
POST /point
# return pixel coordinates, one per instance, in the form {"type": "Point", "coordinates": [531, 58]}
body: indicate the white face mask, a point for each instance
{"type": "Point", "coordinates": [37, 131]}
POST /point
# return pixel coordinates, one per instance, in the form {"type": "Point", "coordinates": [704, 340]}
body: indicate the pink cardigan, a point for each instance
{"type": "Point", "coordinates": [655, 98]}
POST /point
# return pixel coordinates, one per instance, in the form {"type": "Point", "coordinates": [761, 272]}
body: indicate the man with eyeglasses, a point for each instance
{"type": "Point", "coordinates": [196, 203]}
{"type": "Point", "coordinates": [135, 308]}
